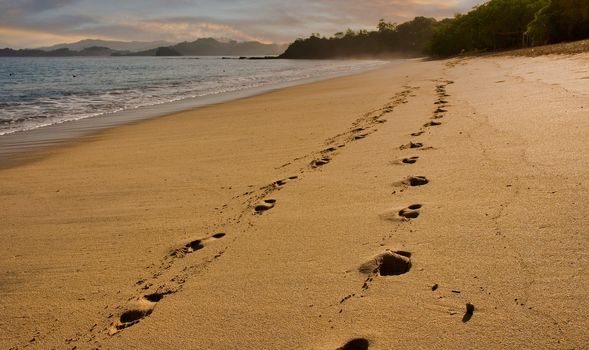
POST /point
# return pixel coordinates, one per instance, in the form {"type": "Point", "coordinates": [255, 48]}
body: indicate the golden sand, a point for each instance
{"type": "Point", "coordinates": [428, 205]}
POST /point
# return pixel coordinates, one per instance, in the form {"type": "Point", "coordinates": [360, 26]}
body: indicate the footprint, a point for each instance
{"type": "Point", "coordinates": [283, 182]}
{"type": "Point", "coordinates": [410, 160]}
{"type": "Point", "coordinates": [388, 263]}
{"type": "Point", "coordinates": [195, 245]}
{"type": "Point", "coordinates": [156, 297]}
{"type": "Point", "coordinates": [419, 133]}
{"type": "Point", "coordinates": [401, 214]}
{"type": "Point", "coordinates": [359, 137]}
{"type": "Point", "coordinates": [320, 162]}
{"type": "Point", "coordinates": [440, 110]}
{"type": "Point", "coordinates": [356, 344]}
{"type": "Point", "coordinates": [134, 313]}
{"type": "Point", "coordinates": [415, 181]}
{"type": "Point", "coordinates": [469, 312]}
{"type": "Point", "coordinates": [411, 212]}
{"type": "Point", "coordinates": [412, 145]}
{"type": "Point", "coordinates": [432, 123]}
{"type": "Point", "coordinates": [267, 204]}
{"type": "Point", "coordinates": [441, 102]}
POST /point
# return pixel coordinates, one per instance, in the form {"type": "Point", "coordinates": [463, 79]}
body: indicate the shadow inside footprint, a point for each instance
{"type": "Point", "coordinates": [356, 344]}
{"type": "Point", "coordinates": [415, 181]}
{"type": "Point", "coordinates": [194, 245]}
{"type": "Point", "coordinates": [411, 212]}
{"type": "Point", "coordinates": [410, 160]}
{"type": "Point", "coordinates": [469, 312]}
{"type": "Point", "coordinates": [131, 316]}
{"type": "Point", "coordinates": [405, 214]}
{"type": "Point", "coordinates": [265, 205]}
{"type": "Point", "coordinates": [432, 123]}
{"type": "Point", "coordinates": [141, 309]}
{"type": "Point", "coordinates": [319, 162]}
{"type": "Point", "coordinates": [412, 145]}
{"type": "Point", "coordinates": [388, 263]}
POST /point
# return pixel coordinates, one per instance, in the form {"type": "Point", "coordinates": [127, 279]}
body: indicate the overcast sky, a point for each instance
{"type": "Point", "coordinates": [34, 23]}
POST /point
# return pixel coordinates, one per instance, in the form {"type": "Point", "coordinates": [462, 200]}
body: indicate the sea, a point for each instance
{"type": "Point", "coordinates": [40, 92]}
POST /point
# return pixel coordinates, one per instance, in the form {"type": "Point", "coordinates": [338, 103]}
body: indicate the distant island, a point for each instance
{"type": "Point", "coordinates": [199, 47]}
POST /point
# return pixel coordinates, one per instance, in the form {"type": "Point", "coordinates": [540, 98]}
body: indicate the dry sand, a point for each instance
{"type": "Point", "coordinates": [175, 234]}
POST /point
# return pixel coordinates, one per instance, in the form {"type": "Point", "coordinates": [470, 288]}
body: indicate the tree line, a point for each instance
{"type": "Point", "coordinates": [494, 25]}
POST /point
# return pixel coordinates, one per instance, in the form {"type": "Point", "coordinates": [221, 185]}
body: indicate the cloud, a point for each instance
{"type": "Point", "coordinates": [23, 38]}
{"type": "Point", "coordinates": [180, 20]}
{"type": "Point", "coordinates": [16, 9]}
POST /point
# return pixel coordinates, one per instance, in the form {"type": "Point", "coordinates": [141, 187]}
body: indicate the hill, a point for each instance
{"type": "Point", "coordinates": [113, 45]}
{"type": "Point", "coordinates": [213, 47]}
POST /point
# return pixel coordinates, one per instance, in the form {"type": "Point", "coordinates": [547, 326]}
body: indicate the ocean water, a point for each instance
{"type": "Point", "coordinates": [38, 92]}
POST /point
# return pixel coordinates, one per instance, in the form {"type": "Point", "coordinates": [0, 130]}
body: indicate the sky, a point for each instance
{"type": "Point", "coordinates": [36, 23]}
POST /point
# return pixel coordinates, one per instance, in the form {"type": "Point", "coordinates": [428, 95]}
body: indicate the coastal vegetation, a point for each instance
{"type": "Point", "coordinates": [507, 24]}
{"type": "Point", "coordinates": [410, 37]}
{"type": "Point", "coordinates": [494, 25]}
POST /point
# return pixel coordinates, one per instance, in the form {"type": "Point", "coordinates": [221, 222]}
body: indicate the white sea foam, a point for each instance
{"type": "Point", "coordinates": [37, 92]}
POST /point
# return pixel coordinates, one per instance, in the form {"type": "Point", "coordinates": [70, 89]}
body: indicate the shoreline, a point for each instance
{"type": "Point", "coordinates": [22, 145]}
{"type": "Point", "coordinates": [316, 216]}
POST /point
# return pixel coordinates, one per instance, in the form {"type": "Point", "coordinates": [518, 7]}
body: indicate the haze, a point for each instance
{"type": "Point", "coordinates": [35, 23]}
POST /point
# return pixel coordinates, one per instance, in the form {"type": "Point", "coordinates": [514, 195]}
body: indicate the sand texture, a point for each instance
{"type": "Point", "coordinates": [427, 205]}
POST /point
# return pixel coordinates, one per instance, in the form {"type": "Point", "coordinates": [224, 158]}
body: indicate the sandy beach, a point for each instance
{"type": "Point", "coordinates": [427, 205]}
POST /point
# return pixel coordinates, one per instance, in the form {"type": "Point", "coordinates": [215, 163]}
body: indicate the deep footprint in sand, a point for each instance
{"type": "Point", "coordinates": [389, 263]}
{"type": "Point", "coordinates": [266, 205]}
{"type": "Point", "coordinates": [320, 162]}
{"type": "Point", "coordinates": [402, 214]}
{"type": "Point", "coordinates": [432, 123]}
{"type": "Point", "coordinates": [411, 145]}
{"type": "Point", "coordinates": [415, 181]}
{"type": "Point", "coordinates": [356, 344]}
{"type": "Point", "coordinates": [134, 313]}
{"type": "Point", "coordinates": [282, 182]}
{"type": "Point", "coordinates": [411, 212]}
{"type": "Point", "coordinates": [410, 160]}
{"type": "Point", "coordinates": [195, 245]}
{"type": "Point", "coordinates": [418, 133]}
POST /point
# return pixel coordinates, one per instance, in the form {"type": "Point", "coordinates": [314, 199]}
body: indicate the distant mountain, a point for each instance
{"type": "Point", "coordinates": [113, 45]}
{"type": "Point", "coordinates": [213, 47]}
{"type": "Point", "coordinates": [200, 47]}
{"type": "Point", "coordinates": [94, 51]}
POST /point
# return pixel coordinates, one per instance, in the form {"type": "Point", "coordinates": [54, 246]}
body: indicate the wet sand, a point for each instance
{"type": "Point", "coordinates": [437, 204]}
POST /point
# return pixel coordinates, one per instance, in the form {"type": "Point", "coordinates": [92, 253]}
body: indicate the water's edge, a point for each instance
{"type": "Point", "coordinates": [16, 146]}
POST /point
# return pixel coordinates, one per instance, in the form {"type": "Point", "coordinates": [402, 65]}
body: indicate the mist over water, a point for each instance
{"type": "Point", "coordinates": [36, 92]}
